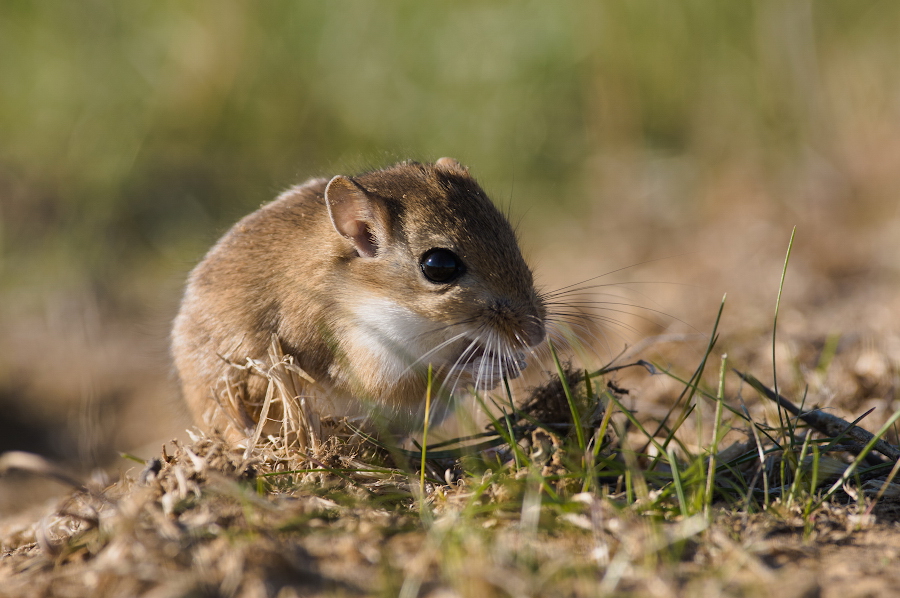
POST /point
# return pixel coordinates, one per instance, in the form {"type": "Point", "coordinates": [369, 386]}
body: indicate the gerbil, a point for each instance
{"type": "Point", "coordinates": [365, 281]}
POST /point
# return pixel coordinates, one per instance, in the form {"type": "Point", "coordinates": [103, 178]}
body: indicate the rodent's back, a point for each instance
{"type": "Point", "coordinates": [237, 296]}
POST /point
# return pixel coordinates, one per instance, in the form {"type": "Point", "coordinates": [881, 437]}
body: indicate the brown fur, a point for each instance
{"type": "Point", "coordinates": [287, 270]}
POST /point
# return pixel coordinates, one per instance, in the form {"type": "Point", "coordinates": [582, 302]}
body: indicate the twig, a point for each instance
{"type": "Point", "coordinates": [827, 424]}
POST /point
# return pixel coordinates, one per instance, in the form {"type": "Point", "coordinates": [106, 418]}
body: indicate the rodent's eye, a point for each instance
{"type": "Point", "coordinates": [441, 266]}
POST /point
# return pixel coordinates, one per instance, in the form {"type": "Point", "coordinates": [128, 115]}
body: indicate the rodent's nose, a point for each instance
{"type": "Point", "coordinates": [525, 327]}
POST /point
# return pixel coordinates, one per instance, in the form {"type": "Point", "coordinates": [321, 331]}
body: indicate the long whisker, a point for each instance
{"type": "Point", "coordinates": [598, 307]}
{"type": "Point", "coordinates": [433, 350]}
{"type": "Point", "coordinates": [443, 327]}
{"type": "Point", "coordinates": [624, 268]}
{"type": "Point", "coordinates": [595, 320]}
{"type": "Point", "coordinates": [589, 324]}
{"type": "Point", "coordinates": [455, 370]}
{"type": "Point", "coordinates": [485, 364]}
{"type": "Point", "coordinates": [587, 336]}
{"type": "Point", "coordinates": [624, 284]}
{"type": "Point", "coordinates": [596, 304]}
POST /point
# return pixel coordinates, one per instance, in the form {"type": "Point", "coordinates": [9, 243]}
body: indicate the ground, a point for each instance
{"type": "Point", "coordinates": [206, 518]}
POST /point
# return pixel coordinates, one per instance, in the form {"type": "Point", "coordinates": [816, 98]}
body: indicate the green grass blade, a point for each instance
{"type": "Point", "coordinates": [676, 480]}
{"type": "Point", "coordinates": [425, 425]}
{"type": "Point", "coordinates": [576, 417]}
{"type": "Point", "coordinates": [859, 459]}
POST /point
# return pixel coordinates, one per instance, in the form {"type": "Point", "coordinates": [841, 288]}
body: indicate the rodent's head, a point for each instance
{"type": "Point", "coordinates": [443, 278]}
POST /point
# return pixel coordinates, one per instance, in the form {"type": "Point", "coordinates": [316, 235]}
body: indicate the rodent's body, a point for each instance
{"type": "Point", "coordinates": [343, 273]}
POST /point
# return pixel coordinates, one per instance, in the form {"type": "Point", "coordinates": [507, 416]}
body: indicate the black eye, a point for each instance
{"type": "Point", "coordinates": [441, 266]}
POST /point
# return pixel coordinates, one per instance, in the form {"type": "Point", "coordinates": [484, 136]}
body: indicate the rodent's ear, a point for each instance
{"type": "Point", "coordinates": [451, 165]}
{"type": "Point", "coordinates": [355, 215]}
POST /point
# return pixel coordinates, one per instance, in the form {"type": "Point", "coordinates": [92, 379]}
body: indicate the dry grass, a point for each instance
{"type": "Point", "coordinates": [628, 506]}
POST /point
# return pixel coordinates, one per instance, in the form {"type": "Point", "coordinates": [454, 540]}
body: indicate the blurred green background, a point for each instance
{"type": "Point", "coordinates": [133, 134]}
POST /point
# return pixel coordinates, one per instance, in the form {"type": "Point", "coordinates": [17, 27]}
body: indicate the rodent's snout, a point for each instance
{"type": "Point", "coordinates": [519, 323]}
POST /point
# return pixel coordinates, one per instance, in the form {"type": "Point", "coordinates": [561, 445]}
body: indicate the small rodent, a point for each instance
{"type": "Point", "coordinates": [365, 281]}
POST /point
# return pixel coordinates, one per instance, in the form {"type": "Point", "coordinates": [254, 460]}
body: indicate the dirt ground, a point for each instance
{"type": "Point", "coordinates": [838, 295]}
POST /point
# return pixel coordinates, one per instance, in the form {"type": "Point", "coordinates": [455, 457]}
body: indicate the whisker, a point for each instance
{"type": "Point", "coordinates": [622, 311]}
{"type": "Point", "coordinates": [455, 369]}
{"type": "Point", "coordinates": [443, 327]}
{"type": "Point", "coordinates": [580, 315]}
{"type": "Point", "coordinates": [594, 304]}
{"type": "Point", "coordinates": [589, 324]}
{"type": "Point", "coordinates": [569, 342]}
{"type": "Point", "coordinates": [566, 291]}
{"type": "Point", "coordinates": [625, 268]}
{"type": "Point", "coordinates": [431, 351]}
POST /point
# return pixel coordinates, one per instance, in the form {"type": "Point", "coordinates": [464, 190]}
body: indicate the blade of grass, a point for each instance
{"type": "Point", "coordinates": [604, 425]}
{"type": "Point", "coordinates": [762, 460]}
{"type": "Point", "coordinates": [714, 445]}
{"type": "Point", "coordinates": [634, 421]}
{"type": "Point", "coordinates": [787, 258]}
{"type": "Point", "coordinates": [884, 486]}
{"type": "Point", "coordinates": [690, 388]}
{"type": "Point", "coordinates": [508, 420]}
{"type": "Point", "coordinates": [859, 459]}
{"type": "Point", "coordinates": [676, 480]}
{"type": "Point", "coordinates": [576, 417]}
{"type": "Point", "coordinates": [825, 423]}
{"type": "Point", "coordinates": [425, 436]}
{"type": "Point", "coordinates": [798, 471]}
{"type": "Point", "coordinates": [503, 431]}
